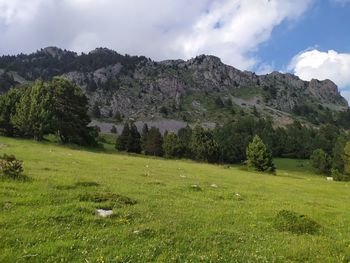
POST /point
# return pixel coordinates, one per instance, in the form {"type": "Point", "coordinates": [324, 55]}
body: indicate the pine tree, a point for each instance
{"type": "Point", "coordinates": [144, 136]}
{"type": "Point", "coordinates": [154, 143]}
{"type": "Point", "coordinates": [172, 146]}
{"type": "Point", "coordinates": [70, 117]}
{"type": "Point", "coordinates": [258, 157]}
{"type": "Point", "coordinates": [122, 140]}
{"type": "Point", "coordinates": [134, 140]}
{"type": "Point", "coordinates": [203, 145]}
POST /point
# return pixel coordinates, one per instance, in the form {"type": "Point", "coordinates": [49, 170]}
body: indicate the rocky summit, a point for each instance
{"type": "Point", "coordinates": [202, 88]}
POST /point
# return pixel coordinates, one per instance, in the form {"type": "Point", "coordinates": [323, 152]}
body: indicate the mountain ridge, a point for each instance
{"type": "Point", "coordinates": [201, 88]}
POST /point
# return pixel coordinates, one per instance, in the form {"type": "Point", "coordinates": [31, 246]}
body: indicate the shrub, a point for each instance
{"type": "Point", "coordinates": [10, 167]}
{"type": "Point", "coordinates": [258, 157]}
{"type": "Point", "coordinates": [337, 176]}
{"type": "Point", "coordinates": [291, 221]}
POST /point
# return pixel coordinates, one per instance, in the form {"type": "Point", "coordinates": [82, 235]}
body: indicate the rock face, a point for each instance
{"type": "Point", "coordinates": [200, 88]}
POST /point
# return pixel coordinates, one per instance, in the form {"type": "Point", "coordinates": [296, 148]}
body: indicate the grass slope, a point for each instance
{"type": "Point", "coordinates": [52, 218]}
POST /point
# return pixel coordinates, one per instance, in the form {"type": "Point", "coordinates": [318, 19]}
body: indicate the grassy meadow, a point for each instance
{"type": "Point", "coordinates": [164, 210]}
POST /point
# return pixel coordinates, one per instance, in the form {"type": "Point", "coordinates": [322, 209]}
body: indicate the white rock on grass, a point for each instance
{"type": "Point", "coordinates": [329, 178]}
{"type": "Point", "coordinates": [104, 213]}
{"type": "Point", "coordinates": [214, 185]}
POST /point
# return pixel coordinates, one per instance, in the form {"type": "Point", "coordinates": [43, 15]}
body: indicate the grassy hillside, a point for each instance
{"type": "Point", "coordinates": [158, 215]}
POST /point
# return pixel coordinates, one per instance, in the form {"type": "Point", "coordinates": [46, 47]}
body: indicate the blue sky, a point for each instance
{"type": "Point", "coordinates": [309, 38]}
{"type": "Point", "coordinates": [324, 26]}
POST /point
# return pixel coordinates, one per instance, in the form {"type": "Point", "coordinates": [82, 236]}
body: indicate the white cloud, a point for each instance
{"type": "Point", "coordinates": [160, 29]}
{"type": "Point", "coordinates": [314, 64]}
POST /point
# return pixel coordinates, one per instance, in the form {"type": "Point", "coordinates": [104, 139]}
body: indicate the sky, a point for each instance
{"type": "Point", "coordinates": [309, 38]}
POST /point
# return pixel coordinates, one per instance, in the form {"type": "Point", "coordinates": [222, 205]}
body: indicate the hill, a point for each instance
{"type": "Point", "coordinates": [166, 210]}
{"type": "Point", "coordinates": [202, 88]}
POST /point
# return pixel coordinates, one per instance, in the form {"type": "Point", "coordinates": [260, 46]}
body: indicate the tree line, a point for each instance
{"type": "Point", "coordinates": [229, 143]}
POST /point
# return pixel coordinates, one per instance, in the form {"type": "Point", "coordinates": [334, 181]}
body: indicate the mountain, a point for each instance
{"type": "Point", "coordinates": [202, 88]}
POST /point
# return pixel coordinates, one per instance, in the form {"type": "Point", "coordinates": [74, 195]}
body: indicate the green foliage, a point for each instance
{"type": "Point", "coordinates": [8, 104]}
{"type": "Point", "coordinates": [321, 161]}
{"type": "Point", "coordinates": [122, 140]}
{"type": "Point", "coordinates": [56, 107]}
{"type": "Point", "coordinates": [338, 176]}
{"type": "Point", "coordinates": [134, 140]}
{"type": "Point", "coordinates": [185, 136]}
{"type": "Point", "coordinates": [346, 158]}
{"type": "Point", "coordinates": [153, 144]}
{"type": "Point", "coordinates": [172, 146]}
{"type": "Point", "coordinates": [338, 153]}
{"type": "Point", "coordinates": [34, 111]}
{"type": "Point", "coordinates": [10, 167]}
{"type": "Point", "coordinates": [129, 139]}
{"type": "Point", "coordinates": [144, 136]}
{"type": "Point", "coordinates": [258, 157]}
{"type": "Point", "coordinates": [291, 221]}
{"type": "Point", "coordinates": [203, 145]}
{"type": "Point", "coordinates": [70, 119]}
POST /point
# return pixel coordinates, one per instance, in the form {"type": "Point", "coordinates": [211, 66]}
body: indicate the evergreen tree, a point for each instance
{"type": "Point", "coordinates": [172, 146]}
{"type": "Point", "coordinates": [144, 134]}
{"type": "Point", "coordinates": [122, 140]}
{"type": "Point", "coordinates": [203, 145]}
{"type": "Point", "coordinates": [154, 142]}
{"type": "Point", "coordinates": [185, 136]}
{"type": "Point", "coordinates": [258, 157]}
{"type": "Point", "coordinates": [70, 119]}
{"type": "Point", "coordinates": [134, 140]}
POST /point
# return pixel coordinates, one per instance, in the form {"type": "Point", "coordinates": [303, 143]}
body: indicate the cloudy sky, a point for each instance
{"type": "Point", "coordinates": [307, 37]}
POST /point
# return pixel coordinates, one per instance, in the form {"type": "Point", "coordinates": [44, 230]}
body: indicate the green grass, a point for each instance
{"type": "Point", "coordinates": [159, 216]}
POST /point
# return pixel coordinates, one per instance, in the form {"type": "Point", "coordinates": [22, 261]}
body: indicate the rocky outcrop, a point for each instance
{"type": "Point", "coordinates": [140, 88]}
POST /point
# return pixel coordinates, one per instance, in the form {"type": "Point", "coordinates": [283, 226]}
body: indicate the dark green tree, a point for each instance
{"type": "Point", "coordinates": [154, 142]}
{"type": "Point", "coordinates": [144, 135]}
{"type": "Point", "coordinates": [185, 136]}
{"type": "Point", "coordinates": [203, 145]}
{"type": "Point", "coordinates": [258, 156]}
{"type": "Point", "coordinates": [8, 104]}
{"type": "Point", "coordinates": [321, 161]}
{"type": "Point", "coordinates": [134, 140]}
{"type": "Point", "coordinates": [70, 115]}
{"type": "Point", "coordinates": [172, 146]}
{"type": "Point", "coordinates": [122, 140]}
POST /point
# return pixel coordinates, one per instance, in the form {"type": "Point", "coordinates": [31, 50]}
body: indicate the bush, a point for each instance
{"type": "Point", "coordinates": [10, 167]}
{"type": "Point", "coordinates": [337, 176]}
{"type": "Point", "coordinates": [291, 221]}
